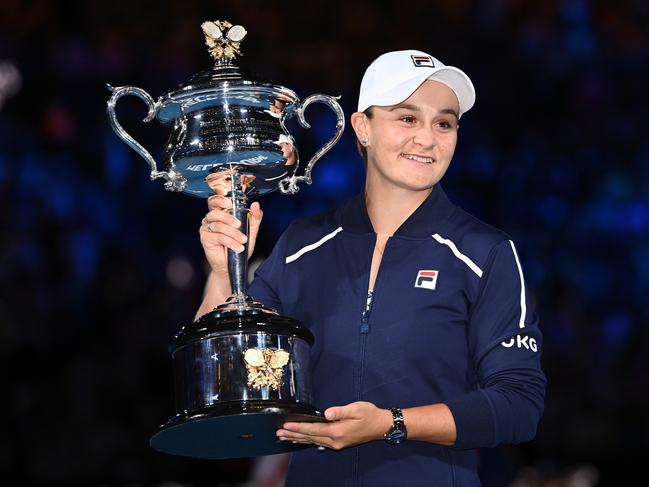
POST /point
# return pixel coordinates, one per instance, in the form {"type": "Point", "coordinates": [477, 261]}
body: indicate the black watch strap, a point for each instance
{"type": "Point", "coordinates": [397, 432]}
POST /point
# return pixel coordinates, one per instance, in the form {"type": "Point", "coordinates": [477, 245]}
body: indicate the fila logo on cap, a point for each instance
{"type": "Point", "coordinates": [427, 279]}
{"type": "Point", "coordinates": [421, 61]}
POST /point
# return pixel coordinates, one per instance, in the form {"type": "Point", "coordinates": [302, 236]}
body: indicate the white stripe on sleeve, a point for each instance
{"type": "Point", "coordinates": [521, 323]}
{"type": "Point", "coordinates": [312, 246]}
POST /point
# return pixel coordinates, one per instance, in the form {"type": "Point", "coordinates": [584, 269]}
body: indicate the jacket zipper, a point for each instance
{"type": "Point", "coordinates": [364, 327]}
{"type": "Point", "coordinates": [364, 330]}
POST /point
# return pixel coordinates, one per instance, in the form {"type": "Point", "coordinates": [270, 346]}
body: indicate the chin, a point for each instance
{"type": "Point", "coordinates": [420, 182]}
{"type": "Point", "coordinates": [417, 185]}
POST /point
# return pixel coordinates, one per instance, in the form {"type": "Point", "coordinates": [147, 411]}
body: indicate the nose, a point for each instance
{"type": "Point", "coordinates": [425, 137]}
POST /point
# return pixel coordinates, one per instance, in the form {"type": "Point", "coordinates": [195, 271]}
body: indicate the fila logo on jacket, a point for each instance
{"type": "Point", "coordinates": [426, 279]}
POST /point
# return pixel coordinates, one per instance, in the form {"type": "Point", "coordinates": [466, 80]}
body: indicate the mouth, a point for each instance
{"type": "Point", "coordinates": [416, 158]}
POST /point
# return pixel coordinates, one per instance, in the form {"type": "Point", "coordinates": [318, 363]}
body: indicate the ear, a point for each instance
{"type": "Point", "coordinates": [360, 124]}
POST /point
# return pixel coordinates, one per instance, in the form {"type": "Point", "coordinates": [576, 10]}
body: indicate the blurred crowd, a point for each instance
{"type": "Point", "coordinates": [100, 267]}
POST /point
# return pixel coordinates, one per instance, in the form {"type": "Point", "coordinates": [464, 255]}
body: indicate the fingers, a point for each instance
{"type": "Point", "coordinates": [285, 435]}
{"type": "Point", "coordinates": [211, 239]}
{"type": "Point", "coordinates": [310, 429]}
{"type": "Point", "coordinates": [219, 227]}
{"type": "Point", "coordinates": [303, 442]}
{"type": "Point", "coordinates": [214, 231]}
{"type": "Point", "coordinates": [255, 217]}
{"type": "Point", "coordinates": [321, 434]}
{"type": "Point", "coordinates": [218, 202]}
{"type": "Point", "coordinates": [218, 215]}
{"type": "Point", "coordinates": [293, 437]}
{"type": "Point", "coordinates": [321, 447]}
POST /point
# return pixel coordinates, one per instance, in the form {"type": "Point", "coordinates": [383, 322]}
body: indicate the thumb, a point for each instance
{"type": "Point", "coordinates": [336, 413]}
{"type": "Point", "coordinates": [254, 220]}
{"type": "Point", "coordinates": [255, 217]}
{"type": "Point", "coordinates": [255, 211]}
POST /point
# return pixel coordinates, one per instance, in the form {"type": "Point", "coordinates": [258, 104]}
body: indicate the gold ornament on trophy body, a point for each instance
{"type": "Point", "coordinates": [265, 367]}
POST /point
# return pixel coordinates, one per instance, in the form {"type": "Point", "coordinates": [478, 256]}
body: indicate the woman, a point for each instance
{"type": "Point", "coordinates": [426, 347]}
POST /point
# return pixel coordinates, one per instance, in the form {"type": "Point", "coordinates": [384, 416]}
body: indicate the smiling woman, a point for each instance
{"type": "Point", "coordinates": [410, 145]}
{"type": "Point", "coordinates": [415, 305]}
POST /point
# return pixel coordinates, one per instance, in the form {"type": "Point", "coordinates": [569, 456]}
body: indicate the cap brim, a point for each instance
{"type": "Point", "coordinates": [452, 77]}
{"type": "Point", "coordinates": [460, 83]}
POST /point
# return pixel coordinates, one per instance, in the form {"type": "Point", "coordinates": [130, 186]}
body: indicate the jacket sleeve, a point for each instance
{"type": "Point", "coordinates": [265, 286]}
{"type": "Point", "coordinates": [505, 343]}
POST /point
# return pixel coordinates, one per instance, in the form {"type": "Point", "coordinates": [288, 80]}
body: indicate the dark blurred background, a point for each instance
{"type": "Point", "coordinates": [100, 267]}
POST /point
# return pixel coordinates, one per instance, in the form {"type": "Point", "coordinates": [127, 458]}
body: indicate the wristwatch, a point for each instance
{"type": "Point", "coordinates": [397, 432]}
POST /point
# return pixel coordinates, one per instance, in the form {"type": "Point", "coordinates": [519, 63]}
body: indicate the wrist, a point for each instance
{"type": "Point", "coordinates": [398, 431]}
{"type": "Point", "coordinates": [218, 281]}
{"type": "Point", "coordinates": [384, 423]}
{"type": "Point", "coordinates": [217, 290]}
{"type": "Point", "coordinates": [218, 274]}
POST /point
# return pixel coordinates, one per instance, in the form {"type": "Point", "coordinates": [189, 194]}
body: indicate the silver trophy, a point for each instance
{"type": "Point", "coordinates": [241, 369]}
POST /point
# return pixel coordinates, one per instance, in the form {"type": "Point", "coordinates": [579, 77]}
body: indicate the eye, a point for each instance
{"type": "Point", "coordinates": [446, 125]}
{"type": "Point", "coordinates": [408, 119]}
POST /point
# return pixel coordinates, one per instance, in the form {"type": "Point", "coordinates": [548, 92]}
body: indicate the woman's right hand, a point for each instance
{"type": "Point", "coordinates": [219, 232]}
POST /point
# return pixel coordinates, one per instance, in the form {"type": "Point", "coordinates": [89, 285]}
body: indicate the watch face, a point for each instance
{"type": "Point", "coordinates": [395, 437]}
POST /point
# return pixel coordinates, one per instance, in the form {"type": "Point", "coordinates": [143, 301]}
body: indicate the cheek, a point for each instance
{"type": "Point", "coordinates": [396, 140]}
{"type": "Point", "coordinates": [448, 146]}
{"type": "Point", "coordinates": [390, 138]}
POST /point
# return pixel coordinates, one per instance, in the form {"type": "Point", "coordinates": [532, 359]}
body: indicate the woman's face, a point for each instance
{"type": "Point", "coordinates": [411, 144]}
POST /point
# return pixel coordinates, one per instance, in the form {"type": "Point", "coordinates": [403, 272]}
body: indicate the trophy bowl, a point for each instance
{"type": "Point", "coordinates": [223, 120]}
{"type": "Point", "coordinates": [242, 369]}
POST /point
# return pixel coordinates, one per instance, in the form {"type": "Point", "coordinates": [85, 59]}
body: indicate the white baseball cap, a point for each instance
{"type": "Point", "coordinates": [394, 76]}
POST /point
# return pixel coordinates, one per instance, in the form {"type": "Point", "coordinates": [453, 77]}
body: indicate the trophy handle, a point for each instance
{"type": "Point", "coordinates": [289, 185]}
{"type": "Point", "coordinates": [174, 180]}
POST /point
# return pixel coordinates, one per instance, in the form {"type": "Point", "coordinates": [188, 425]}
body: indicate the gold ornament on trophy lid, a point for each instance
{"type": "Point", "coordinates": [223, 38]}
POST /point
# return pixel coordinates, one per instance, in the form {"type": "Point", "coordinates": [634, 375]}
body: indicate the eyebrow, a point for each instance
{"type": "Point", "coordinates": [415, 108]}
{"type": "Point", "coordinates": [405, 106]}
{"type": "Point", "coordinates": [449, 111]}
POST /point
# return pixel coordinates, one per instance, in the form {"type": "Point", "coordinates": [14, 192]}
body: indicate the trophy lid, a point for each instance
{"type": "Point", "coordinates": [223, 83]}
{"type": "Point", "coordinates": [213, 324]}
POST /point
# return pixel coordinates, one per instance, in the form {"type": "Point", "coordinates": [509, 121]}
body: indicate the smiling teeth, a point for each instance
{"type": "Point", "coordinates": [428, 160]}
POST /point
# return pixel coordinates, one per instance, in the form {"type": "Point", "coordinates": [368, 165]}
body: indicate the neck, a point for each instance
{"type": "Point", "coordinates": [389, 207]}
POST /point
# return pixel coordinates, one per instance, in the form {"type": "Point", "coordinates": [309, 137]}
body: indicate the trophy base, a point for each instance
{"type": "Point", "coordinates": [234, 430]}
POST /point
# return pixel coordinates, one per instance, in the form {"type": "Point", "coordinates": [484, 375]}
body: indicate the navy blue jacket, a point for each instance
{"type": "Point", "coordinates": [450, 322]}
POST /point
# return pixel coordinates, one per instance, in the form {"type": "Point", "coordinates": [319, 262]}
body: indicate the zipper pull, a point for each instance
{"type": "Point", "coordinates": [365, 321]}
{"type": "Point", "coordinates": [365, 316]}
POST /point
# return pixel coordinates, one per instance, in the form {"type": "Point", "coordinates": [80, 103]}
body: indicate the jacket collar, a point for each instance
{"type": "Point", "coordinates": [425, 220]}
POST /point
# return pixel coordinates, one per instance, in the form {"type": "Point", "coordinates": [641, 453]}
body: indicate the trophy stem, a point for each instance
{"type": "Point", "coordinates": [238, 262]}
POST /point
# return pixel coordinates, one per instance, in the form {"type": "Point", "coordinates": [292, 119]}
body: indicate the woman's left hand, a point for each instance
{"type": "Point", "coordinates": [349, 425]}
